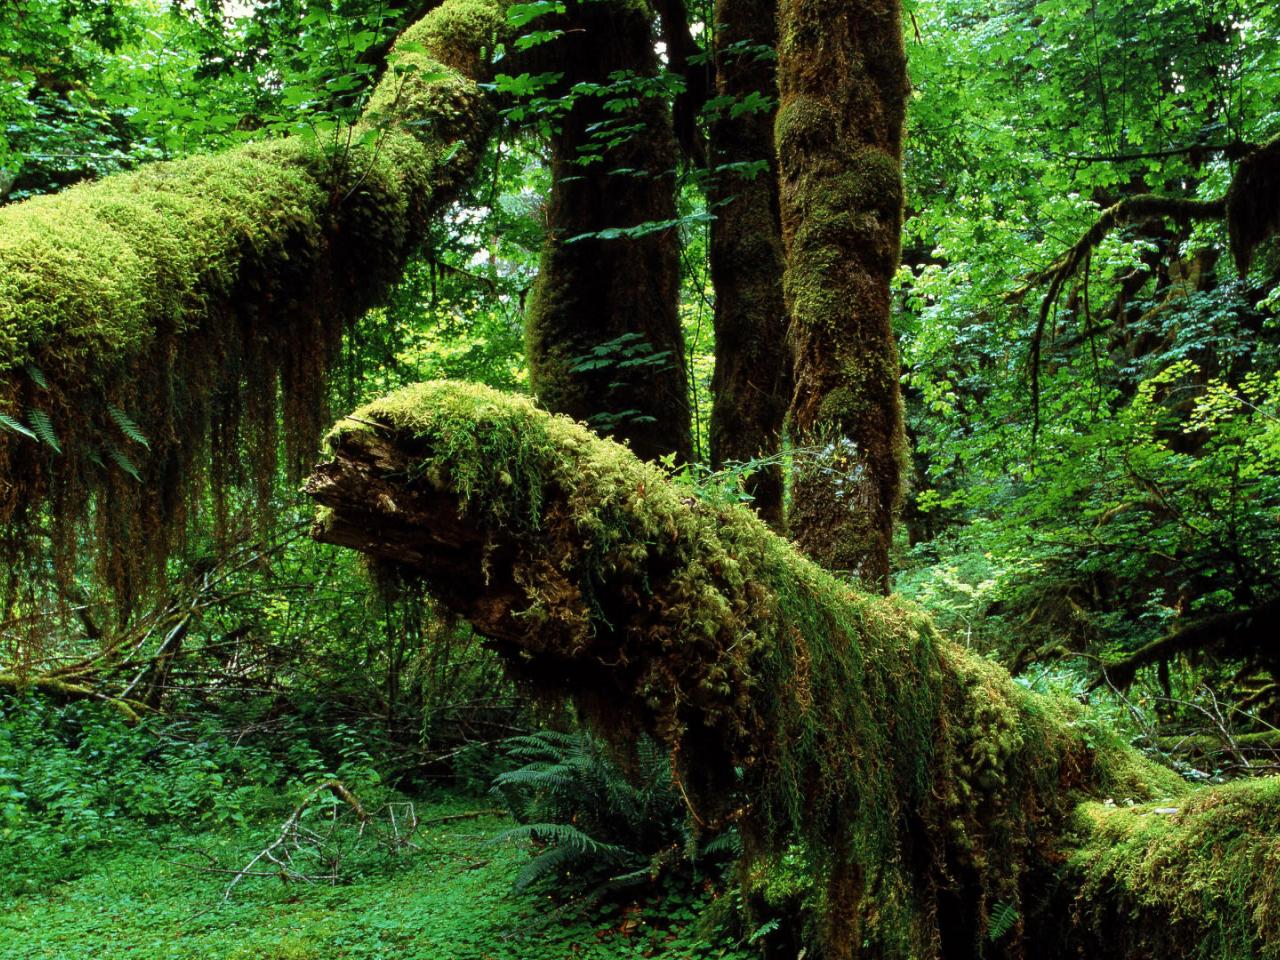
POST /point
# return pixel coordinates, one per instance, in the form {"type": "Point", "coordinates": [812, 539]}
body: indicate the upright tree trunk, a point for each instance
{"type": "Point", "coordinates": [602, 324]}
{"type": "Point", "coordinates": [925, 805]}
{"type": "Point", "coordinates": [752, 381]}
{"type": "Point", "coordinates": [843, 84]}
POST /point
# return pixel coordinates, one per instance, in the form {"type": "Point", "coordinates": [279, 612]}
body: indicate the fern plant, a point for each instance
{"type": "Point", "coordinates": [1004, 917]}
{"type": "Point", "coordinates": [596, 824]}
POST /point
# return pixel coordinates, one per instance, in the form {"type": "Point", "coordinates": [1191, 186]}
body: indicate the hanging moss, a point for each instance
{"type": "Point", "coordinates": [202, 299]}
{"type": "Point", "coordinates": [904, 790]}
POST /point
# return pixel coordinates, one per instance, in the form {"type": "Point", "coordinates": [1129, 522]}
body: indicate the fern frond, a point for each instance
{"type": "Point", "coordinates": [127, 426]}
{"type": "Point", "coordinates": [37, 375]}
{"type": "Point", "coordinates": [121, 460]}
{"type": "Point", "coordinates": [545, 866]}
{"type": "Point", "coordinates": [576, 851]}
{"type": "Point", "coordinates": [1003, 919]}
{"type": "Point", "coordinates": [728, 842]}
{"type": "Point", "coordinates": [537, 776]}
{"type": "Point", "coordinates": [43, 427]}
{"type": "Point", "coordinates": [16, 425]}
{"type": "Point", "coordinates": [561, 835]}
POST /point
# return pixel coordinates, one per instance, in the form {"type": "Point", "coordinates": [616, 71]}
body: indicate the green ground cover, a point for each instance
{"type": "Point", "coordinates": [452, 899]}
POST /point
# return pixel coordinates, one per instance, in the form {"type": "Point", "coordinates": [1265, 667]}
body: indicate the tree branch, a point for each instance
{"type": "Point", "coordinates": [1239, 634]}
{"type": "Point", "coordinates": [148, 312]}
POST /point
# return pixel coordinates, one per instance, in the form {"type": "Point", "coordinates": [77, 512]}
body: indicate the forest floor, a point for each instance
{"type": "Point", "coordinates": [451, 898]}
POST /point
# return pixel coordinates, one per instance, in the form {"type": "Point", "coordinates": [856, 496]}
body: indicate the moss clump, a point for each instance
{"type": "Point", "coordinates": [802, 123]}
{"type": "Point", "coordinates": [915, 785]}
{"type": "Point", "coordinates": [205, 299]}
{"type": "Point", "coordinates": [1195, 877]}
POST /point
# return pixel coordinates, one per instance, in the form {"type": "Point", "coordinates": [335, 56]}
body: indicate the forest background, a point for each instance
{"type": "Point", "coordinates": [1092, 495]}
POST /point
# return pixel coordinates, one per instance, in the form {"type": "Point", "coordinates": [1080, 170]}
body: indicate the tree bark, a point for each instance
{"type": "Point", "coordinates": [602, 324]}
{"type": "Point", "coordinates": [752, 381]}
{"type": "Point", "coordinates": [152, 316]}
{"type": "Point", "coordinates": [683, 60]}
{"type": "Point", "coordinates": [843, 84]}
{"type": "Point", "coordinates": [938, 809]}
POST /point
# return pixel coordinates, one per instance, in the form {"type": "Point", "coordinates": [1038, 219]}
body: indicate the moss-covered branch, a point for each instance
{"type": "Point", "coordinates": [144, 316]}
{"type": "Point", "coordinates": [1237, 634]}
{"type": "Point", "coordinates": [1251, 208]}
{"type": "Point", "coordinates": [925, 791]}
{"type": "Point", "coordinates": [62, 689]}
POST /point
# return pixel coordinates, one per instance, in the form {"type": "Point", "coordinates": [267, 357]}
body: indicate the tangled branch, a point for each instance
{"type": "Point", "coordinates": [1251, 208]}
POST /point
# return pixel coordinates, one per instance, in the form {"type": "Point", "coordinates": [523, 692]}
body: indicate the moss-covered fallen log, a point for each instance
{"type": "Point", "coordinates": [934, 802]}
{"type": "Point", "coordinates": [143, 316]}
{"type": "Point", "coordinates": [1196, 878]}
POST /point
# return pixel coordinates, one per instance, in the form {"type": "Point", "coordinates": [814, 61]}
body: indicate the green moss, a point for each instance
{"type": "Point", "coordinates": [1197, 876]}
{"type": "Point", "coordinates": [801, 123]}
{"type": "Point", "coordinates": [193, 294]}
{"type": "Point", "coordinates": [837, 730]}
{"type": "Point", "coordinates": [94, 273]}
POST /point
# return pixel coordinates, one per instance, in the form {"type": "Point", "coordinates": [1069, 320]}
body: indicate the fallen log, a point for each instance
{"type": "Point", "coordinates": [939, 808]}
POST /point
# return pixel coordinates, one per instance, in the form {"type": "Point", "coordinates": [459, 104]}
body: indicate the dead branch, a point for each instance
{"type": "Point", "coordinates": [278, 852]}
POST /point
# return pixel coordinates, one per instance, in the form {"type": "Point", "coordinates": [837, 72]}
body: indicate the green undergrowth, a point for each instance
{"type": "Point", "coordinates": [120, 840]}
{"type": "Point", "coordinates": [450, 900]}
{"type": "Point", "coordinates": [78, 778]}
{"type": "Point", "coordinates": [924, 791]}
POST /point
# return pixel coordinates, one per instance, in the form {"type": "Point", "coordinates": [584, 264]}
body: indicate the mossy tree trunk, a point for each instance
{"type": "Point", "coordinates": [602, 324]}
{"type": "Point", "coordinates": [936, 809]}
{"type": "Point", "coordinates": [153, 322]}
{"type": "Point", "coordinates": [843, 88]}
{"type": "Point", "coordinates": [752, 380]}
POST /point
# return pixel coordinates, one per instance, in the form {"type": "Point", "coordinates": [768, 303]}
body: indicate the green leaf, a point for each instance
{"type": "Point", "coordinates": [43, 427]}
{"type": "Point", "coordinates": [522, 14]}
{"type": "Point", "coordinates": [127, 426]}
